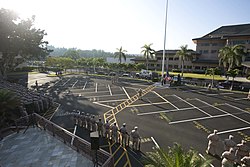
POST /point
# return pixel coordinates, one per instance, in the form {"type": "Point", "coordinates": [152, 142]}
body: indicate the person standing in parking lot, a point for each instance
{"type": "Point", "coordinates": [213, 143]}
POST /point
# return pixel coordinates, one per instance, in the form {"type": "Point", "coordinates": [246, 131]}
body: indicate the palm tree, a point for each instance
{"type": "Point", "coordinates": [184, 54]}
{"type": "Point", "coordinates": [212, 71]}
{"type": "Point", "coordinates": [233, 74]}
{"type": "Point", "coordinates": [8, 102]}
{"type": "Point", "coordinates": [120, 54]}
{"type": "Point", "coordinates": [231, 56]}
{"type": "Point", "coordinates": [175, 157]}
{"type": "Point", "coordinates": [148, 52]}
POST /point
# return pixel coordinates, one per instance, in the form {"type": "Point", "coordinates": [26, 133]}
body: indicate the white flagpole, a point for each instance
{"type": "Point", "coordinates": [163, 57]}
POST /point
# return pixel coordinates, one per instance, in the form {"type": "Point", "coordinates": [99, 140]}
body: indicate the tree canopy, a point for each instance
{"type": "Point", "coordinates": [148, 52]}
{"type": "Point", "coordinates": [20, 41]}
{"type": "Point", "coordinates": [120, 54]}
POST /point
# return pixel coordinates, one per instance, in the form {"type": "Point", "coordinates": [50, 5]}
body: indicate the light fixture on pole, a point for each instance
{"type": "Point", "coordinates": [163, 56]}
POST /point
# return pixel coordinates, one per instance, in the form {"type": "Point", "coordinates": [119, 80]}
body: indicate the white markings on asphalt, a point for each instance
{"type": "Point", "coordinates": [72, 140]}
{"type": "Point", "coordinates": [197, 119]}
{"type": "Point", "coordinates": [241, 99]}
{"type": "Point", "coordinates": [224, 111]}
{"type": "Point", "coordinates": [85, 85]}
{"type": "Point", "coordinates": [112, 100]}
{"type": "Point", "coordinates": [96, 87]}
{"type": "Point", "coordinates": [66, 82]}
{"type": "Point", "coordinates": [165, 111]}
{"type": "Point", "coordinates": [233, 130]}
{"type": "Point", "coordinates": [237, 108]}
{"type": "Point", "coordinates": [147, 104]}
{"type": "Point", "coordinates": [164, 99]}
{"type": "Point", "coordinates": [126, 92]}
{"type": "Point", "coordinates": [103, 105]}
{"type": "Point", "coordinates": [156, 144]}
{"type": "Point", "coordinates": [110, 90]}
{"type": "Point", "coordinates": [74, 83]}
{"type": "Point", "coordinates": [193, 105]}
{"type": "Point", "coordinates": [104, 96]}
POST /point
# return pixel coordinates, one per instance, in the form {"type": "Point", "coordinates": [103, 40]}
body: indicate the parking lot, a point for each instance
{"type": "Point", "coordinates": [185, 114]}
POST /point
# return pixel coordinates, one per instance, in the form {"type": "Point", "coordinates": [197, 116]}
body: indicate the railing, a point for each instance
{"type": "Point", "coordinates": [104, 159]}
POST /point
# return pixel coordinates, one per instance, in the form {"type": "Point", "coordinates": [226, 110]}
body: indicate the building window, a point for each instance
{"type": "Point", "coordinates": [176, 58]}
{"type": "Point", "coordinates": [158, 58]}
{"type": "Point", "coordinates": [158, 65]}
{"type": "Point", "coordinates": [170, 58]}
{"type": "Point", "coordinates": [205, 51]}
{"type": "Point", "coordinates": [214, 44]}
{"type": "Point", "coordinates": [200, 51]}
{"type": "Point", "coordinates": [204, 68]}
{"type": "Point", "coordinates": [152, 65]}
{"type": "Point", "coordinates": [170, 66]}
{"type": "Point", "coordinates": [239, 42]}
{"type": "Point", "coordinates": [189, 67]}
{"type": "Point", "coordinates": [213, 51]}
{"type": "Point", "coordinates": [204, 44]}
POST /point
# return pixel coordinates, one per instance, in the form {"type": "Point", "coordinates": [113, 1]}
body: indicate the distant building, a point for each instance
{"type": "Point", "coordinates": [116, 60]}
{"type": "Point", "coordinates": [207, 49]}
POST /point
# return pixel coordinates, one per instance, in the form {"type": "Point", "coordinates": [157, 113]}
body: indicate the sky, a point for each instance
{"type": "Point", "coordinates": [110, 24]}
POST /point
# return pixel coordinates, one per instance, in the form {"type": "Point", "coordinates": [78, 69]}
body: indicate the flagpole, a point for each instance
{"type": "Point", "coordinates": [163, 56]}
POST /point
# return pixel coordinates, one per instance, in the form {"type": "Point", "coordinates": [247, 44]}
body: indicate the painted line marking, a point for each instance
{"type": "Point", "coordinates": [241, 99]}
{"type": "Point", "coordinates": [138, 105]}
{"type": "Point", "coordinates": [66, 82]}
{"type": "Point", "coordinates": [197, 119]}
{"type": "Point", "coordinates": [204, 159]}
{"type": "Point", "coordinates": [156, 144]}
{"type": "Point", "coordinates": [96, 87]}
{"type": "Point", "coordinates": [193, 106]}
{"type": "Point", "coordinates": [112, 100]}
{"type": "Point", "coordinates": [126, 92]}
{"type": "Point", "coordinates": [237, 108]}
{"type": "Point", "coordinates": [224, 111]}
{"type": "Point", "coordinates": [104, 96]}
{"type": "Point", "coordinates": [74, 83]}
{"type": "Point", "coordinates": [85, 85]}
{"type": "Point", "coordinates": [164, 99]}
{"type": "Point", "coordinates": [110, 90]}
{"type": "Point", "coordinates": [103, 105]}
{"type": "Point", "coordinates": [233, 130]}
{"type": "Point", "coordinates": [164, 111]}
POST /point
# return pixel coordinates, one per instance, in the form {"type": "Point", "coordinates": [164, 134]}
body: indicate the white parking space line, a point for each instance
{"type": "Point", "coordinates": [96, 87]}
{"type": "Point", "coordinates": [164, 99]}
{"type": "Point", "coordinates": [66, 82]}
{"type": "Point", "coordinates": [74, 83]}
{"type": "Point", "coordinates": [156, 144]}
{"type": "Point", "coordinates": [103, 105]}
{"type": "Point", "coordinates": [193, 105]}
{"type": "Point", "coordinates": [241, 99]}
{"type": "Point", "coordinates": [237, 108]}
{"type": "Point", "coordinates": [233, 130]}
{"type": "Point", "coordinates": [112, 100]}
{"type": "Point", "coordinates": [104, 96]}
{"type": "Point", "coordinates": [110, 90]}
{"type": "Point", "coordinates": [85, 85]}
{"type": "Point", "coordinates": [224, 111]}
{"type": "Point", "coordinates": [147, 104]}
{"type": "Point", "coordinates": [125, 92]}
{"type": "Point", "coordinates": [165, 111]}
{"type": "Point", "coordinates": [197, 119]}
{"type": "Point", "coordinates": [204, 159]}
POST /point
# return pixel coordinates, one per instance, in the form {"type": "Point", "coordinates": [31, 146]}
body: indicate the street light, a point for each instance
{"type": "Point", "coordinates": [163, 56]}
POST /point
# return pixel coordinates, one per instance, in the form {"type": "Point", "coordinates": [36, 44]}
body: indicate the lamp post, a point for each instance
{"type": "Point", "coordinates": [163, 56]}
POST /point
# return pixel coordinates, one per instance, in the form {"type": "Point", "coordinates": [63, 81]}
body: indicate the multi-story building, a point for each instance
{"type": "Point", "coordinates": [207, 49]}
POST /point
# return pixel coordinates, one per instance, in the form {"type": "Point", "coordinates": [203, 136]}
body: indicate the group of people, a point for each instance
{"type": "Point", "coordinates": [107, 130]}
{"type": "Point", "coordinates": [233, 153]}
{"type": "Point", "coordinates": [30, 101]}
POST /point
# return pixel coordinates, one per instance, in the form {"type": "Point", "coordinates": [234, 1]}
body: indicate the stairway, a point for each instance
{"type": "Point", "coordinates": [50, 112]}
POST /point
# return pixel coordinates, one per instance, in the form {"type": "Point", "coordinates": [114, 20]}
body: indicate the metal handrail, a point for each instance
{"type": "Point", "coordinates": [79, 144]}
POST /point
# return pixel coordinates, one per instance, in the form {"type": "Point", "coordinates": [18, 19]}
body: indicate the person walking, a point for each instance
{"type": "Point", "coordinates": [140, 93]}
{"type": "Point", "coordinates": [114, 133]}
{"type": "Point", "coordinates": [229, 143]}
{"type": "Point", "coordinates": [100, 127]}
{"type": "Point", "coordinates": [88, 121]}
{"type": "Point", "coordinates": [124, 134]}
{"type": "Point", "coordinates": [242, 150]}
{"type": "Point", "coordinates": [107, 130]}
{"type": "Point", "coordinates": [228, 158]}
{"type": "Point", "coordinates": [93, 123]}
{"type": "Point", "coordinates": [213, 143]}
{"type": "Point", "coordinates": [245, 161]}
{"type": "Point", "coordinates": [135, 138]}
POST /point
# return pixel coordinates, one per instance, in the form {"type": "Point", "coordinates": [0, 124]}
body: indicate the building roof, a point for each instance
{"type": "Point", "coordinates": [227, 31]}
{"type": "Point", "coordinates": [174, 52]}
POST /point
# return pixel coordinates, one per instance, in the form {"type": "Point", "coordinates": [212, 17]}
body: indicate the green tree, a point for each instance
{"type": "Point", "coordinates": [233, 74]}
{"type": "Point", "coordinates": [212, 71]}
{"type": "Point", "coordinates": [148, 53]}
{"type": "Point", "coordinates": [8, 102]}
{"type": "Point", "coordinates": [120, 54]}
{"type": "Point", "coordinates": [72, 53]}
{"type": "Point", "coordinates": [175, 157]}
{"type": "Point", "coordinates": [184, 54]}
{"type": "Point", "coordinates": [20, 41]}
{"type": "Point", "coordinates": [231, 56]}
